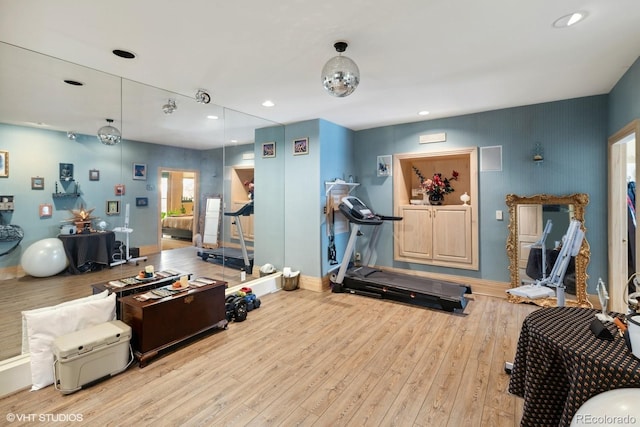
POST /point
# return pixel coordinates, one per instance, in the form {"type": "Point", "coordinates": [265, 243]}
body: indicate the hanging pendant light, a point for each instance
{"type": "Point", "coordinates": [108, 134]}
{"type": "Point", "coordinates": [340, 75]}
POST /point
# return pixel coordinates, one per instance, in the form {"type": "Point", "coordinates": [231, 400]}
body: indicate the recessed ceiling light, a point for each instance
{"type": "Point", "coordinates": [123, 53]}
{"type": "Point", "coordinates": [234, 141]}
{"type": "Point", "coordinates": [212, 117]}
{"type": "Point", "coordinates": [73, 82]}
{"type": "Point", "coordinates": [569, 20]}
{"type": "Point", "coordinates": [268, 103]}
{"type": "Point", "coordinates": [423, 113]}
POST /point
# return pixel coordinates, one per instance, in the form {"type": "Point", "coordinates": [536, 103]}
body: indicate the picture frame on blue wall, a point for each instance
{"type": "Point", "coordinates": [4, 164]}
{"type": "Point", "coordinates": [66, 171]}
{"type": "Point", "coordinates": [384, 165]}
{"type": "Point", "coordinates": [37, 183]}
{"type": "Point", "coordinates": [142, 202]}
{"type": "Point", "coordinates": [268, 149]}
{"type": "Point", "coordinates": [113, 207]}
{"type": "Point", "coordinates": [300, 146]}
{"type": "Point", "coordinates": [140, 171]}
{"type": "Point", "coordinates": [94, 175]}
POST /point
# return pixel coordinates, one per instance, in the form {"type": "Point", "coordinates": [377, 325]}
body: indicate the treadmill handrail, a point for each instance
{"type": "Point", "coordinates": [245, 210]}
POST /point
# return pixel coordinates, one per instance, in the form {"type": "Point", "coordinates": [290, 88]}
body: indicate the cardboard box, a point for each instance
{"type": "Point", "coordinates": [89, 355]}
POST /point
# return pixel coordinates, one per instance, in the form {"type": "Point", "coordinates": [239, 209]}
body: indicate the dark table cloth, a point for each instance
{"type": "Point", "coordinates": [560, 364]}
{"type": "Point", "coordinates": [88, 248]}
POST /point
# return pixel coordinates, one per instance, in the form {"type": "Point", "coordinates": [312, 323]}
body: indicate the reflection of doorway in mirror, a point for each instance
{"type": "Point", "coordinates": [623, 242]}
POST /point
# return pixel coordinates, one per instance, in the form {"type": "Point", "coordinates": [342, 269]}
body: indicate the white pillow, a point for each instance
{"type": "Point", "coordinates": [43, 327]}
{"type": "Point", "coordinates": [25, 338]}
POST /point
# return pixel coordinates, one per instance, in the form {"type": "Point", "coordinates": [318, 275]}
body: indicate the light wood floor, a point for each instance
{"type": "Point", "coordinates": [26, 293]}
{"type": "Point", "coordinates": [318, 359]}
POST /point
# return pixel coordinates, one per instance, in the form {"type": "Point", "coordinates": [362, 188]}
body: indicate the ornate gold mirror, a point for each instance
{"type": "Point", "coordinates": [528, 216]}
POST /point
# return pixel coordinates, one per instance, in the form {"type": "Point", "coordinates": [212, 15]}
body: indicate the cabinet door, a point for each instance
{"type": "Point", "coordinates": [414, 237]}
{"type": "Point", "coordinates": [452, 234]}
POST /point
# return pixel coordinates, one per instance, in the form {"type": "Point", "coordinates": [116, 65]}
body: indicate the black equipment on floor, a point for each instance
{"type": "Point", "coordinates": [368, 281]}
{"type": "Point", "coordinates": [242, 258]}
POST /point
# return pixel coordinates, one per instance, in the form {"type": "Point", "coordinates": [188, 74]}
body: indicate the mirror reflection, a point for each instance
{"type": "Point", "coordinates": [167, 165]}
{"type": "Point", "coordinates": [537, 226]}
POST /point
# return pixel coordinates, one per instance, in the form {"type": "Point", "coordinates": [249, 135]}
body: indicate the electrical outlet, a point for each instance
{"type": "Point", "coordinates": [357, 256]}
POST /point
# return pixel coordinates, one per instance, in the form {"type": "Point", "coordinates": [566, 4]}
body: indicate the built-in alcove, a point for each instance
{"type": "Point", "coordinates": [240, 176]}
{"type": "Point", "coordinates": [444, 235]}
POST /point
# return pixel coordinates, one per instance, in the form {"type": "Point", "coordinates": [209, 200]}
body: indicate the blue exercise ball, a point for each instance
{"type": "Point", "coordinates": [613, 407]}
{"type": "Point", "coordinates": [44, 258]}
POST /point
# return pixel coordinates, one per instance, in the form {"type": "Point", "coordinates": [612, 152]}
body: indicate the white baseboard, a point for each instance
{"type": "Point", "coordinates": [15, 374]}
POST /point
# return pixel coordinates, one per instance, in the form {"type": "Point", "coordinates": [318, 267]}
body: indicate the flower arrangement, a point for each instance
{"type": "Point", "coordinates": [437, 186]}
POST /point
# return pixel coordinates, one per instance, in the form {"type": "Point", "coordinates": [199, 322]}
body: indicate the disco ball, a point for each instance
{"type": "Point", "coordinates": [340, 75]}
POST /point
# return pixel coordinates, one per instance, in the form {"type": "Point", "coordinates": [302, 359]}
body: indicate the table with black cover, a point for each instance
{"type": "Point", "coordinates": [560, 364]}
{"type": "Point", "coordinates": [83, 248]}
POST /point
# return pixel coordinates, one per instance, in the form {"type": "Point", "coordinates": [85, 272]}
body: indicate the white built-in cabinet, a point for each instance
{"type": "Point", "coordinates": [444, 235]}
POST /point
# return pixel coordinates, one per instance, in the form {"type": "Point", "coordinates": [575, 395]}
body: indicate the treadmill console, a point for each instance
{"type": "Point", "coordinates": [357, 208]}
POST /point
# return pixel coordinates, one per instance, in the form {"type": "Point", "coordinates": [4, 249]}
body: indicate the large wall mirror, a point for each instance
{"type": "Point", "coordinates": [45, 121]}
{"type": "Point", "coordinates": [528, 216]}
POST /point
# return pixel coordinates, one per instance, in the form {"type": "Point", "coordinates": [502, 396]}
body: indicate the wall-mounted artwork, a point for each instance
{"type": "Point", "coordinates": [300, 146]}
{"type": "Point", "coordinates": [37, 183]}
{"type": "Point", "coordinates": [142, 201]}
{"type": "Point", "coordinates": [45, 210]}
{"type": "Point", "coordinates": [66, 171]}
{"type": "Point", "coordinates": [94, 175]}
{"type": "Point", "coordinates": [384, 165]}
{"type": "Point", "coordinates": [4, 164]}
{"type": "Point", "coordinates": [119, 190]}
{"type": "Point", "coordinates": [113, 207]}
{"type": "Point", "coordinates": [139, 171]}
{"type": "Point", "coordinates": [269, 149]}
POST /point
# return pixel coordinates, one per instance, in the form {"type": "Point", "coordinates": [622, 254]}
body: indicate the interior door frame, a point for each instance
{"type": "Point", "coordinates": [196, 200]}
{"type": "Point", "coordinates": [617, 214]}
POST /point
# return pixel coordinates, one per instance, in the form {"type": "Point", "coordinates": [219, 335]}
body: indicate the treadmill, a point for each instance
{"type": "Point", "coordinates": [242, 259]}
{"type": "Point", "coordinates": [368, 281]}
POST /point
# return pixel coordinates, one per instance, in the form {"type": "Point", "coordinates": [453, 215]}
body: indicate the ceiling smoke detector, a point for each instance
{"type": "Point", "coordinates": [202, 97]}
{"type": "Point", "coordinates": [170, 106]}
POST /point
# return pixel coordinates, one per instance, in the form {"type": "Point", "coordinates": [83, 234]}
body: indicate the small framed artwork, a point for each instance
{"type": "Point", "coordinates": [118, 190]}
{"type": "Point", "coordinates": [140, 171]}
{"type": "Point", "coordinates": [113, 207]}
{"type": "Point", "coordinates": [4, 164]}
{"type": "Point", "coordinates": [94, 175]}
{"type": "Point", "coordinates": [37, 183]}
{"type": "Point", "coordinates": [384, 165]}
{"type": "Point", "coordinates": [142, 201]}
{"type": "Point", "coordinates": [46, 210]}
{"type": "Point", "coordinates": [269, 149]}
{"type": "Point", "coordinates": [300, 146]}
{"type": "Point", "coordinates": [66, 172]}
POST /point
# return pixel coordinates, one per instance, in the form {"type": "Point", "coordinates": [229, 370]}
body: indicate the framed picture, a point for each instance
{"type": "Point", "coordinates": [37, 183]}
{"type": "Point", "coordinates": [66, 171]}
{"type": "Point", "coordinates": [46, 210]}
{"type": "Point", "coordinates": [4, 164]}
{"type": "Point", "coordinates": [384, 165]}
{"type": "Point", "coordinates": [300, 146]}
{"type": "Point", "coordinates": [269, 149]}
{"type": "Point", "coordinates": [94, 175]}
{"type": "Point", "coordinates": [142, 201]}
{"type": "Point", "coordinates": [119, 190]}
{"type": "Point", "coordinates": [113, 207]}
{"type": "Point", "coordinates": [140, 171]}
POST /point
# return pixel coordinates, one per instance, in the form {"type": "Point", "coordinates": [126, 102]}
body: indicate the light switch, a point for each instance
{"type": "Point", "coordinates": [499, 215]}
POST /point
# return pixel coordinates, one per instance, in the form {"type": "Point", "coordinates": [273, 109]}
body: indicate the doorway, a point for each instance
{"type": "Point", "coordinates": [623, 242]}
{"type": "Point", "coordinates": [178, 208]}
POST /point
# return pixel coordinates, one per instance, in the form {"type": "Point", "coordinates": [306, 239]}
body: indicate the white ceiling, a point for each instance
{"type": "Point", "coordinates": [449, 57]}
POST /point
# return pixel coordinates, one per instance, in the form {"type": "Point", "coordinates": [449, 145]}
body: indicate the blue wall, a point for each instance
{"type": "Point", "coordinates": [624, 99]}
{"type": "Point", "coordinates": [38, 152]}
{"type": "Point", "coordinates": [573, 134]}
